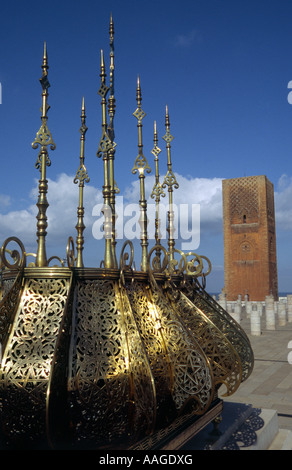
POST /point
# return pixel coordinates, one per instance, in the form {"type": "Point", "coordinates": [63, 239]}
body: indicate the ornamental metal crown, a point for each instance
{"type": "Point", "coordinates": [111, 357]}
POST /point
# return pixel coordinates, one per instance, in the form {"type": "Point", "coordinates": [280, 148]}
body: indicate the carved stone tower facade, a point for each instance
{"type": "Point", "coordinates": [250, 259]}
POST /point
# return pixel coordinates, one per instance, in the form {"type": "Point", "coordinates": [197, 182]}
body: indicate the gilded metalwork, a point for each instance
{"type": "Point", "coordinates": [19, 258]}
{"type": "Point", "coordinates": [111, 132]}
{"type": "Point", "coordinates": [182, 371]}
{"type": "Point", "coordinates": [157, 193]}
{"type": "Point", "coordinates": [229, 327]}
{"type": "Point", "coordinates": [106, 149]}
{"type": "Point", "coordinates": [104, 380]}
{"type": "Point", "coordinates": [82, 177]}
{"type": "Point", "coordinates": [111, 100]}
{"type": "Point", "coordinates": [224, 360]}
{"type": "Point", "coordinates": [27, 356]}
{"type": "Point", "coordinates": [126, 260]}
{"type": "Point", "coordinates": [140, 166]}
{"type": "Point", "coordinates": [70, 252]}
{"type": "Point", "coordinates": [182, 267]}
{"type": "Point", "coordinates": [110, 357]}
{"type": "Point", "coordinates": [171, 183]}
{"type": "Point", "coordinates": [43, 139]}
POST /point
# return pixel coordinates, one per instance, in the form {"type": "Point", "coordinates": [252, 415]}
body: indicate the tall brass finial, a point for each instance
{"type": "Point", "coordinates": [170, 182]}
{"type": "Point", "coordinates": [141, 165]}
{"type": "Point", "coordinates": [105, 148]}
{"type": "Point", "coordinates": [43, 139]}
{"type": "Point", "coordinates": [111, 100]}
{"type": "Point", "coordinates": [111, 132]}
{"type": "Point", "coordinates": [82, 177]}
{"type": "Point", "coordinates": [157, 191]}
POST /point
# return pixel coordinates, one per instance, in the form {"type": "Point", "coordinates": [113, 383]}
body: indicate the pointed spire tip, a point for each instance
{"type": "Point", "coordinates": [45, 50]}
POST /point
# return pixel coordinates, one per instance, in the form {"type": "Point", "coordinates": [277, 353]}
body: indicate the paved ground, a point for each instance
{"type": "Point", "coordinates": [270, 384]}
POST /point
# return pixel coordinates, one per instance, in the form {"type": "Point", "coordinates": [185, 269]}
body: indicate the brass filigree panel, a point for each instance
{"type": "Point", "coordinates": [225, 323]}
{"type": "Point", "coordinates": [143, 416]}
{"type": "Point", "coordinates": [179, 365]}
{"type": "Point", "coordinates": [111, 390]}
{"type": "Point", "coordinates": [27, 358]}
{"type": "Point", "coordinates": [224, 360]}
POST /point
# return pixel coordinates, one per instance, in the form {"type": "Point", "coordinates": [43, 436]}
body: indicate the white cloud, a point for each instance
{"type": "Point", "coordinates": [19, 224]}
{"type": "Point", "coordinates": [283, 206]}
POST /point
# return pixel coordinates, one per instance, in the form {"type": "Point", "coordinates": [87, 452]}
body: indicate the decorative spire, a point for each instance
{"type": "Point", "coordinates": [111, 132]}
{"type": "Point", "coordinates": [111, 100]}
{"type": "Point", "coordinates": [157, 191]}
{"type": "Point", "coordinates": [44, 140]}
{"type": "Point", "coordinates": [105, 148]}
{"type": "Point", "coordinates": [82, 177]}
{"type": "Point", "coordinates": [141, 165]}
{"type": "Point", "coordinates": [170, 182]}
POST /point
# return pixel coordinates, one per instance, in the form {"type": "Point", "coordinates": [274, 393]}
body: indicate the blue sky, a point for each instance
{"type": "Point", "coordinates": [221, 66]}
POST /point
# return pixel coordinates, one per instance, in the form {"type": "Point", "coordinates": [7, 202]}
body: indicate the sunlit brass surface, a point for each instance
{"type": "Point", "coordinates": [82, 177]}
{"type": "Point", "coordinates": [44, 140]}
{"type": "Point", "coordinates": [128, 352]}
{"type": "Point", "coordinates": [157, 193]}
{"type": "Point", "coordinates": [111, 132]}
{"type": "Point", "coordinates": [224, 322]}
{"type": "Point", "coordinates": [111, 357]}
{"type": "Point", "coordinates": [171, 183]}
{"type": "Point", "coordinates": [105, 147]}
{"type": "Point", "coordinates": [140, 166]}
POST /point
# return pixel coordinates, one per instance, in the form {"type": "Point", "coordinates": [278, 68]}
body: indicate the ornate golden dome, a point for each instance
{"type": "Point", "coordinates": [110, 357]}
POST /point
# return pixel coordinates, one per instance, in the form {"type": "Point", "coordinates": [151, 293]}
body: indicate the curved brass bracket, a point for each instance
{"type": "Point", "coordinates": [19, 260]}
{"type": "Point", "coordinates": [71, 258]}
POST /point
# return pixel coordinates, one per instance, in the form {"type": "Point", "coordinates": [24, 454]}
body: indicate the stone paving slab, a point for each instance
{"type": "Point", "coordinates": [270, 383]}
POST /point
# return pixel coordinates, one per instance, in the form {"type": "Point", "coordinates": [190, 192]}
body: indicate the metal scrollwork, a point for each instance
{"type": "Point", "coordinates": [209, 269]}
{"type": "Point", "coordinates": [124, 256]}
{"type": "Point", "coordinates": [156, 266]}
{"type": "Point", "coordinates": [19, 258]}
{"type": "Point", "coordinates": [44, 139]}
{"type": "Point", "coordinates": [71, 258]}
{"type": "Point", "coordinates": [58, 259]}
{"type": "Point", "coordinates": [193, 267]}
{"type": "Point", "coordinates": [126, 260]}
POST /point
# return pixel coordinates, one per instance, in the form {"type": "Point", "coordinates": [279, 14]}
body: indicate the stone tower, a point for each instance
{"type": "Point", "coordinates": [249, 238]}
